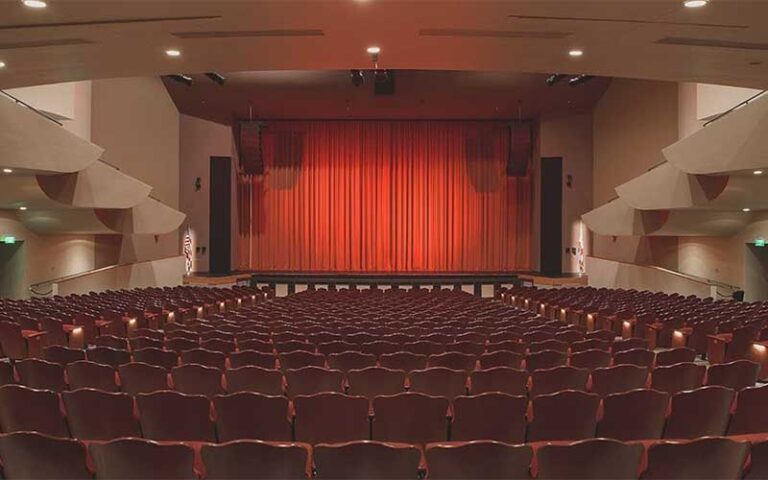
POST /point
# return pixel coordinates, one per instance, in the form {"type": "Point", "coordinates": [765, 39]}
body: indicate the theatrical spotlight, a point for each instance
{"type": "Point", "coordinates": [579, 79]}
{"type": "Point", "coordinates": [216, 77]}
{"type": "Point", "coordinates": [181, 78]}
{"type": "Point", "coordinates": [555, 78]}
{"type": "Point", "coordinates": [357, 77]}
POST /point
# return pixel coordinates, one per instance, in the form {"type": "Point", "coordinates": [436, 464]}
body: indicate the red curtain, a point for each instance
{"type": "Point", "coordinates": [385, 196]}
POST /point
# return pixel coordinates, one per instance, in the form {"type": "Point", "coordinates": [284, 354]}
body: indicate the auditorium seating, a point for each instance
{"type": "Point", "coordinates": [349, 392]}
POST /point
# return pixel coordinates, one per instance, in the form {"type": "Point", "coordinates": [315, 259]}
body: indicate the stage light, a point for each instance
{"type": "Point", "coordinates": [181, 78]}
{"type": "Point", "coordinates": [579, 79]}
{"type": "Point", "coordinates": [576, 52]}
{"type": "Point", "coordinates": [216, 77]}
{"type": "Point", "coordinates": [554, 78]}
{"type": "Point", "coordinates": [173, 52]}
{"type": "Point", "coordinates": [695, 3]}
{"type": "Point", "coordinates": [35, 3]}
{"type": "Point", "coordinates": [373, 50]}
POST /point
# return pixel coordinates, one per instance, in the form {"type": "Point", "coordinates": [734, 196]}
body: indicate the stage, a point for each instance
{"type": "Point", "coordinates": [482, 284]}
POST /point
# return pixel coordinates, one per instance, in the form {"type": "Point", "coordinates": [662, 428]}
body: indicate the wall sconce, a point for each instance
{"type": "Point", "coordinates": [198, 184]}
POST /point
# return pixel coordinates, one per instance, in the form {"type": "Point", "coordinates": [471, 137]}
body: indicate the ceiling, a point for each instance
{"type": "Point", "coordinates": [725, 42]}
{"type": "Point", "coordinates": [418, 94]}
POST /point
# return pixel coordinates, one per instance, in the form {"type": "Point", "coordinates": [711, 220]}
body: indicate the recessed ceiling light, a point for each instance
{"type": "Point", "coordinates": [746, 209]}
{"type": "Point", "coordinates": [757, 172]}
{"type": "Point", "coordinates": [2, 64]}
{"type": "Point", "coordinates": [173, 52]}
{"type": "Point", "coordinates": [22, 208]}
{"type": "Point", "coordinates": [7, 170]}
{"type": "Point", "coordinates": [35, 3]}
{"type": "Point", "coordinates": [695, 3]}
{"type": "Point", "coordinates": [576, 52]}
{"type": "Point", "coordinates": [373, 50]}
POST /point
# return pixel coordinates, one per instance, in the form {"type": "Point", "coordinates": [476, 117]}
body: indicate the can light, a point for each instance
{"type": "Point", "coordinates": [695, 3]}
{"type": "Point", "coordinates": [172, 52]}
{"type": "Point", "coordinates": [576, 52]}
{"type": "Point", "coordinates": [35, 3]}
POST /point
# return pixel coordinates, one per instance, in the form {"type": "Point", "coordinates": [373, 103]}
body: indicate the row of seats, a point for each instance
{"type": "Point", "coordinates": [407, 417]}
{"type": "Point", "coordinates": [716, 458]}
{"type": "Point", "coordinates": [193, 378]}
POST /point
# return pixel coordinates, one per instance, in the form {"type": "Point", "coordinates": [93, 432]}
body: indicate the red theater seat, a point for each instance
{"type": "Point", "coordinates": [331, 418]}
{"type": "Point", "coordinates": [158, 357]}
{"type": "Point", "coordinates": [679, 377]}
{"type": "Point", "coordinates": [552, 380]}
{"type": "Point", "coordinates": [247, 415]}
{"type": "Point", "coordinates": [404, 361]}
{"type": "Point", "coordinates": [490, 416]}
{"type": "Point", "coordinates": [347, 361]}
{"type": "Point", "coordinates": [36, 456]}
{"type": "Point", "coordinates": [545, 359]}
{"type": "Point", "coordinates": [375, 381]}
{"type": "Point", "coordinates": [42, 375]}
{"type": "Point", "coordinates": [300, 359]}
{"type": "Point", "coordinates": [453, 361]}
{"type": "Point", "coordinates": [253, 459]}
{"type": "Point", "coordinates": [703, 458]}
{"type": "Point", "coordinates": [617, 379]}
{"type": "Point", "coordinates": [254, 379]}
{"type": "Point", "coordinates": [699, 413]}
{"type": "Point", "coordinates": [641, 357]}
{"type": "Point", "coordinates": [598, 458]}
{"type": "Point", "coordinates": [500, 379]}
{"type": "Point", "coordinates": [737, 375]}
{"type": "Point", "coordinates": [63, 355]}
{"type": "Point", "coordinates": [355, 460]}
{"type": "Point", "coordinates": [84, 374]}
{"type": "Point", "coordinates": [675, 355]}
{"type": "Point", "coordinates": [135, 458]}
{"type": "Point", "coordinates": [439, 382]}
{"type": "Point", "coordinates": [108, 356]}
{"type": "Point", "coordinates": [410, 418]}
{"type": "Point", "coordinates": [174, 416]}
{"type": "Point", "coordinates": [480, 459]}
{"type": "Point", "coordinates": [24, 409]}
{"type": "Point", "coordinates": [252, 358]}
{"type": "Point", "coordinates": [591, 359]}
{"type": "Point", "coordinates": [633, 415]}
{"type": "Point", "coordinates": [136, 378]}
{"type": "Point", "coordinates": [501, 358]}
{"type": "Point", "coordinates": [196, 379]}
{"type": "Point", "coordinates": [566, 415]}
{"type": "Point", "coordinates": [750, 415]}
{"type": "Point", "coordinates": [311, 380]}
{"type": "Point", "coordinates": [97, 415]}
{"type": "Point", "coordinates": [201, 356]}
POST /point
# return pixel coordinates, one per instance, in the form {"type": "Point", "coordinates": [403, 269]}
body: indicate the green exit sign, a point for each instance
{"type": "Point", "coordinates": [760, 242]}
{"type": "Point", "coordinates": [9, 240]}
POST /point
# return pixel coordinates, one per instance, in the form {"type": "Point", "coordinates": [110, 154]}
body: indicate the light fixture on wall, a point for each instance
{"type": "Point", "coordinates": [198, 184]}
{"type": "Point", "coordinates": [575, 52]}
{"type": "Point", "coordinates": [2, 64]}
{"type": "Point", "coordinates": [34, 3]}
{"type": "Point", "coordinates": [580, 79]}
{"type": "Point", "coordinates": [757, 172]}
{"type": "Point", "coordinates": [746, 209]}
{"type": "Point", "coordinates": [7, 170]}
{"type": "Point", "coordinates": [216, 77]}
{"type": "Point", "coordinates": [181, 78]}
{"type": "Point", "coordinates": [555, 78]}
{"type": "Point", "coordinates": [695, 3]}
{"type": "Point", "coordinates": [22, 208]}
{"type": "Point", "coordinates": [173, 52]}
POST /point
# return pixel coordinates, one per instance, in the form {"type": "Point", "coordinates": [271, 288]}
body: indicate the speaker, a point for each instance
{"type": "Point", "coordinates": [384, 82]}
{"type": "Point", "coordinates": [520, 148]}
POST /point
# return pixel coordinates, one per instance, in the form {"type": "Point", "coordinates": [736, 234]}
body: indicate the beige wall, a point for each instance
{"type": "Point", "coordinates": [136, 122]}
{"type": "Point", "coordinates": [199, 141]}
{"type": "Point", "coordinates": [570, 137]}
{"type": "Point", "coordinates": [153, 273]}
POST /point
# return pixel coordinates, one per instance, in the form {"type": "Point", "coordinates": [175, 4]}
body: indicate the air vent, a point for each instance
{"type": "Point", "coordinates": [461, 32]}
{"type": "Point", "coordinates": [707, 42]}
{"type": "Point", "coordinates": [58, 42]}
{"type": "Point", "coordinates": [625, 20]}
{"type": "Point", "coordinates": [250, 33]}
{"type": "Point", "coordinates": [122, 21]}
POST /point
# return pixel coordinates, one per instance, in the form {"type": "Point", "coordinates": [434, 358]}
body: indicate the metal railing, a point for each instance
{"type": "Point", "coordinates": [39, 112]}
{"type": "Point", "coordinates": [735, 107]}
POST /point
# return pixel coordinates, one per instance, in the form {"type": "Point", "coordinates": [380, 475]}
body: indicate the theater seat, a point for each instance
{"type": "Point", "coordinates": [175, 416]}
{"type": "Point", "coordinates": [566, 415]}
{"type": "Point", "coordinates": [590, 359]}
{"type": "Point", "coordinates": [479, 459]}
{"type": "Point", "coordinates": [545, 359]}
{"type": "Point", "coordinates": [699, 413]}
{"type": "Point", "coordinates": [489, 416]}
{"type": "Point", "coordinates": [373, 460]}
{"type": "Point", "coordinates": [551, 380]}
{"type": "Point", "coordinates": [30, 455]}
{"type": "Point", "coordinates": [641, 357]}
{"type": "Point", "coordinates": [634, 415]}
{"type": "Point", "coordinates": [737, 375]}
{"type": "Point", "coordinates": [331, 418]}
{"type": "Point", "coordinates": [202, 356]}
{"type": "Point", "coordinates": [254, 459]}
{"type": "Point", "coordinates": [598, 458]}
{"type": "Point", "coordinates": [158, 357]}
{"type": "Point", "coordinates": [501, 358]}
{"type": "Point", "coordinates": [248, 415]}
{"type": "Point", "coordinates": [311, 380]}
{"type": "Point", "coordinates": [135, 458]}
{"type": "Point", "coordinates": [750, 415]}
{"type": "Point", "coordinates": [758, 461]}
{"type": "Point", "coordinates": [196, 379]}
{"type": "Point", "coordinates": [410, 418]}
{"type": "Point", "coordinates": [254, 379]}
{"type": "Point", "coordinates": [453, 361]}
{"type": "Point", "coordinates": [301, 359]}
{"type": "Point", "coordinates": [374, 381]}
{"type": "Point", "coordinates": [675, 355]}
{"type": "Point", "coordinates": [252, 358]}
{"type": "Point", "coordinates": [500, 379]}
{"type": "Point", "coordinates": [406, 361]}
{"type": "Point", "coordinates": [97, 415]}
{"type": "Point", "coordinates": [62, 355]}
{"type": "Point", "coordinates": [679, 377]}
{"type": "Point", "coordinates": [24, 409]}
{"type": "Point", "coordinates": [136, 378]}
{"type": "Point", "coordinates": [439, 381]}
{"type": "Point", "coordinates": [697, 459]}
{"type": "Point", "coordinates": [108, 356]}
{"type": "Point", "coordinates": [85, 374]}
{"type": "Point", "coordinates": [39, 374]}
{"type": "Point", "coordinates": [347, 361]}
{"type": "Point", "coordinates": [617, 379]}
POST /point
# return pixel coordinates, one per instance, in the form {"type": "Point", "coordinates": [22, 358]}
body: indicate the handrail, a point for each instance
{"type": "Point", "coordinates": [687, 276]}
{"type": "Point", "coordinates": [74, 276]}
{"type": "Point", "coordinates": [721, 115]}
{"type": "Point", "coordinates": [39, 112]}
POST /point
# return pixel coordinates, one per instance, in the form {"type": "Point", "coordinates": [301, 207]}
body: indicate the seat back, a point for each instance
{"type": "Point", "coordinates": [699, 413]}
{"type": "Point", "coordinates": [641, 357]}
{"type": "Point", "coordinates": [410, 418]}
{"type": "Point", "coordinates": [675, 355]}
{"type": "Point", "coordinates": [136, 378]}
{"type": "Point", "coordinates": [158, 357]}
{"type": "Point", "coordinates": [703, 458]}
{"type": "Point", "coordinates": [737, 375]}
{"type": "Point", "coordinates": [24, 409]}
{"type": "Point", "coordinates": [678, 377]}
{"type": "Point", "coordinates": [545, 359]}
{"type": "Point", "coordinates": [566, 415]}
{"type": "Point", "coordinates": [62, 355]}
{"type": "Point", "coordinates": [500, 379]}
{"type": "Point", "coordinates": [175, 416]}
{"type": "Point", "coordinates": [559, 378]}
{"type": "Point", "coordinates": [479, 459]}
{"type": "Point", "coordinates": [300, 359]}
{"type": "Point", "coordinates": [331, 418]}
{"type": "Point", "coordinates": [21, 454]}
{"type": "Point", "coordinates": [501, 358]}
{"type": "Point", "coordinates": [404, 361]}
{"type": "Point", "coordinates": [375, 381]}
{"type": "Point", "coordinates": [108, 356]}
{"type": "Point", "coordinates": [439, 382]}
{"type": "Point", "coordinates": [202, 356]}
{"type": "Point", "coordinates": [453, 361]}
{"type": "Point", "coordinates": [311, 380]}
{"type": "Point", "coordinates": [489, 416]}
{"type": "Point", "coordinates": [598, 458]}
{"type": "Point", "coordinates": [750, 415]}
{"type": "Point", "coordinates": [633, 415]}
{"type": "Point", "coordinates": [40, 374]}
{"type": "Point", "coordinates": [248, 415]}
{"type": "Point", "coordinates": [252, 358]}
{"type": "Point", "coordinates": [135, 458]}
{"type": "Point", "coordinates": [97, 415]}
{"type": "Point", "coordinates": [591, 359]}
{"type": "Point", "coordinates": [196, 379]}
{"type": "Point", "coordinates": [618, 379]}
{"type": "Point", "coordinates": [254, 379]}
{"type": "Point", "coordinates": [354, 460]}
{"type": "Point", "coordinates": [346, 361]}
{"type": "Point", "coordinates": [85, 374]}
{"type": "Point", "coordinates": [758, 461]}
{"type": "Point", "coordinates": [740, 345]}
{"type": "Point", "coordinates": [255, 459]}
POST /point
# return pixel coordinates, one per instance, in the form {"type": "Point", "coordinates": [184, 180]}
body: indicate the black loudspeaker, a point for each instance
{"type": "Point", "coordinates": [384, 82]}
{"type": "Point", "coordinates": [520, 148]}
{"type": "Point", "coordinates": [249, 137]}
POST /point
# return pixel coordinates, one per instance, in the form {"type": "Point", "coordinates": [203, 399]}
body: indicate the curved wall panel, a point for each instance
{"type": "Point", "coordinates": [149, 217]}
{"type": "Point", "coordinates": [617, 218]}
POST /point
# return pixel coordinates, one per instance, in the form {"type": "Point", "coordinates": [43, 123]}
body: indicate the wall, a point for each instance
{"type": "Point", "coordinates": [612, 274]}
{"type": "Point", "coordinates": [137, 124]}
{"type": "Point", "coordinates": [570, 137]}
{"type": "Point", "coordinates": [153, 273]}
{"type": "Point", "coordinates": [200, 140]}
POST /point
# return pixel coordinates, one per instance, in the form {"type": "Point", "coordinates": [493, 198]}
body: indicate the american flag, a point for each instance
{"type": "Point", "coordinates": [188, 250]}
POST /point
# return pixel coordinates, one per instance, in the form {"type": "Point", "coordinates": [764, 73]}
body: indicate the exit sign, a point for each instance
{"type": "Point", "coordinates": [760, 242]}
